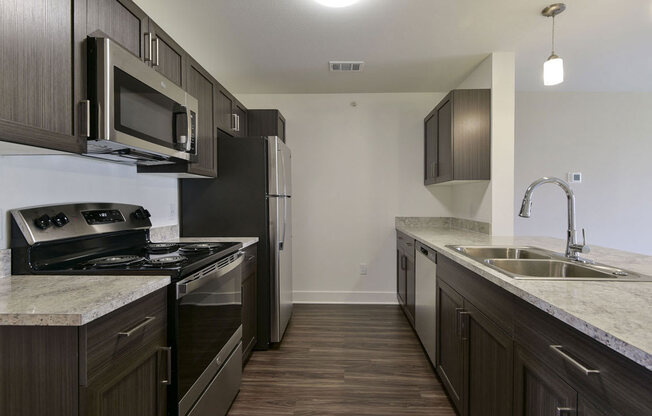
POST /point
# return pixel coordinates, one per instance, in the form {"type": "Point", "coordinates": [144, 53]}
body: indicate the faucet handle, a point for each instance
{"type": "Point", "coordinates": [584, 248]}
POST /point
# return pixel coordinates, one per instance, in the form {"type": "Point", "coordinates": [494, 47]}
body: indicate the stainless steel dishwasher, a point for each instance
{"type": "Point", "coordinates": [425, 319]}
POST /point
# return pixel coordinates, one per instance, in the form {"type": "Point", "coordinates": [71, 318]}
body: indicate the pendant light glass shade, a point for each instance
{"type": "Point", "coordinates": [553, 71]}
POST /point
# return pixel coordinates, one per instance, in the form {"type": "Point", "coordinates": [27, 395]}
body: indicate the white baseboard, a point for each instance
{"type": "Point", "coordinates": [384, 298]}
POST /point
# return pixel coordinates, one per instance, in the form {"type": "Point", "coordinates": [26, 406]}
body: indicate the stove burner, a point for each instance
{"type": "Point", "coordinates": [201, 247]}
{"type": "Point", "coordinates": [166, 261]}
{"type": "Point", "coordinates": [161, 248]}
{"type": "Point", "coordinates": [114, 261]}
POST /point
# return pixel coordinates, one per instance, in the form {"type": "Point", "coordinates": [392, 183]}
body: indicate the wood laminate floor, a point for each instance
{"type": "Point", "coordinates": [343, 360]}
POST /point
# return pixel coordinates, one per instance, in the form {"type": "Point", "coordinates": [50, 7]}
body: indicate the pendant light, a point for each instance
{"type": "Point", "coordinates": [553, 68]}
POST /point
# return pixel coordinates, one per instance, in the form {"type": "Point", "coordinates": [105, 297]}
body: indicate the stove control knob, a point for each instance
{"type": "Point", "coordinates": [141, 214]}
{"type": "Point", "coordinates": [42, 222]}
{"type": "Point", "coordinates": [60, 219]}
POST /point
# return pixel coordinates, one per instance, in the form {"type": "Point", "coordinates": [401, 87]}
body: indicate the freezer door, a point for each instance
{"type": "Point", "coordinates": [280, 167]}
{"type": "Point", "coordinates": [281, 264]}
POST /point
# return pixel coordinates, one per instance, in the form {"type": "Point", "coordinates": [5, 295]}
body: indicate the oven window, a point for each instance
{"type": "Point", "coordinates": [142, 111]}
{"type": "Point", "coordinates": [207, 318]}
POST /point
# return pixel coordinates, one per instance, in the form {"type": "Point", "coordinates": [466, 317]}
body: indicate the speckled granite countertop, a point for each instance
{"type": "Point", "coordinates": [69, 300]}
{"type": "Point", "coordinates": [617, 314]}
{"type": "Point", "coordinates": [246, 241]}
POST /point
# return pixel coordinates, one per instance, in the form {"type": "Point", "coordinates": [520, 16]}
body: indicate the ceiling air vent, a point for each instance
{"type": "Point", "coordinates": [346, 66]}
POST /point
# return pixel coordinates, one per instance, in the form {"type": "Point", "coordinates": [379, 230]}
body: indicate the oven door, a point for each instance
{"type": "Point", "coordinates": [209, 319]}
{"type": "Point", "coordinates": [134, 107]}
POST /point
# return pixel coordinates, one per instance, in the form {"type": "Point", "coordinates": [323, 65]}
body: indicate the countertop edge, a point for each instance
{"type": "Point", "coordinates": [614, 343]}
{"type": "Point", "coordinates": [85, 317]}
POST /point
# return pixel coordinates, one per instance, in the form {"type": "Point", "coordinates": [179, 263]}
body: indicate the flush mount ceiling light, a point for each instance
{"type": "Point", "coordinates": [553, 68]}
{"type": "Point", "coordinates": [336, 3]}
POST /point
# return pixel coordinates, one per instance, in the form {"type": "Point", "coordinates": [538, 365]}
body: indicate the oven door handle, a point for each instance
{"type": "Point", "coordinates": [202, 277]}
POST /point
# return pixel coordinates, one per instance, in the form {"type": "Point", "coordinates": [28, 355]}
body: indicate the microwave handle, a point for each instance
{"type": "Point", "coordinates": [182, 128]}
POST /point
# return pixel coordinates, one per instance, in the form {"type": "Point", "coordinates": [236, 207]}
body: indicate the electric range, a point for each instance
{"type": "Point", "coordinates": [204, 297]}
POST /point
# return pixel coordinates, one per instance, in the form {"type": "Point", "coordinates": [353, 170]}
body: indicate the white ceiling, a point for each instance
{"type": "Point", "coordinates": [283, 46]}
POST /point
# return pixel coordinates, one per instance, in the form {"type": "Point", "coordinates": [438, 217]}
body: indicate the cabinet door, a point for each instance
{"type": "Point", "coordinates": [410, 277]}
{"type": "Point", "coordinates": [488, 365]}
{"type": "Point", "coordinates": [445, 142]}
{"type": "Point", "coordinates": [538, 391]}
{"type": "Point", "coordinates": [241, 121]}
{"type": "Point", "coordinates": [135, 388]}
{"type": "Point", "coordinates": [449, 342]}
{"type": "Point", "coordinates": [401, 282]}
{"type": "Point", "coordinates": [430, 148]}
{"type": "Point", "coordinates": [224, 110]}
{"type": "Point", "coordinates": [168, 58]}
{"type": "Point", "coordinates": [281, 127]}
{"type": "Point", "coordinates": [122, 21]}
{"type": "Point", "coordinates": [42, 73]}
{"type": "Point", "coordinates": [249, 303]}
{"type": "Point", "coordinates": [202, 87]}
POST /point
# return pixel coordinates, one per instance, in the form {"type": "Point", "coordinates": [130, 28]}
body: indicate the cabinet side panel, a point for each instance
{"type": "Point", "coordinates": [38, 371]}
{"type": "Point", "coordinates": [472, 135]}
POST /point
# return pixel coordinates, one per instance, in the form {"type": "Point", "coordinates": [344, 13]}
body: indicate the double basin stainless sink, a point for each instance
{"type": "Point", "coordinates": [532, 263]}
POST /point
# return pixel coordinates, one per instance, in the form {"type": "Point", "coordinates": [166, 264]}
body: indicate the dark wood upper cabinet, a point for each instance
{"type": "Point", "coordinates": [168, 57]}
{"type": "Point", "coordinates": [202, 86]}
{"type": "Point", "coordinates": [458, 138]}
{"type": "Point", "coordinates": [224, 110]}
{"type": "Point", "coordinates": [42, 74]}
{"type": "Point", "coordinates": [266, 123]}
{"type": "Point", "coordinates": [241, 114]}
{"type": "Point", "coordinates": [123, 22]}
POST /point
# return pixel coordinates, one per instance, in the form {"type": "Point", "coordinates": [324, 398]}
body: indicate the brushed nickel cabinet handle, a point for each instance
{"type": "Point", "coordinates": [168, 379]}
{"type": "Point", "coordinates": [155, 60]}
{"type": "Point", "coordinates": [464, 325]}
{"type": "Point", "coordinates": [85, 118]}
{"type": "Point", "coordinates": [148, 47]}
{"type": "Point", "coordinates": [234, 121]}
{"type": "Point", "coordinates": [559, 350]}
{"type": "Point", "coordinates": [564, 411]}
{"type": "Point", "coordinates": [144, 323]}
{"type": "Point", "coordinates": [458, 323]}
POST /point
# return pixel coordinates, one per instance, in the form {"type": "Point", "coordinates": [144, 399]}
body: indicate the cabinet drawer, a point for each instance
{"type": "Point", "coordinates": [406, 243]}
{"type": "Point", "coordinates": [597, 373]}
{"type": "Point", "coordinates": [140, 324]}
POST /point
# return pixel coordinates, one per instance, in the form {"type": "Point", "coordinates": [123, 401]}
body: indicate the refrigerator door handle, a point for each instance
{"type": "Point", "coordinates": [285, 219]}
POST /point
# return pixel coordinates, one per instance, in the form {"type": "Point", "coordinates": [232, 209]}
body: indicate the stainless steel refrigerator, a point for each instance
{"type": "Point", "coordinates": [252, 196]}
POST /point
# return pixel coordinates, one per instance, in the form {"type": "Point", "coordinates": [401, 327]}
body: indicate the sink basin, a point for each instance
{"type": "Point", "coordinates": [491, 252]}
{"type": "Point", "coordinates": [533, 263]}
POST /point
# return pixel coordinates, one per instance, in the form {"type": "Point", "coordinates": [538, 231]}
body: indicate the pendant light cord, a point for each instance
{"type": "Point", "coordinates": [553, 34]}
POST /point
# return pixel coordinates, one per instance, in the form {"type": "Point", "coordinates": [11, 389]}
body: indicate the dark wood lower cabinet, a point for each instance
{"type": "Point", "coordinates": [450, 364]}
{"type": "Point", "coordinates": [406, 275]}
{"type": "Point", "coordinates": [499, 355]}
{"type": "Point", "coordinates": [249, 302]}
{"type": "Point", "coordinates": [488, 357]}
{"type": "Point", "coordinates": [89, 370]}
{"type": "Point", "coordinates": [540, 392]}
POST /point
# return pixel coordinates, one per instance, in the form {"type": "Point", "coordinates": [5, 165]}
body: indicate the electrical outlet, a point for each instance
{"type": "Point", "coordinates": [173, 211]}
{"type": "Point", "coordinates": [3, 221]}
{"type": "Point", "coordinates": [363, 269]}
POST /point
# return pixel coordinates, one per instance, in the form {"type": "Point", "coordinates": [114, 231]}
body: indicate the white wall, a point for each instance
{"type": "Point", "coordinates": [354, 170]}
{"type": "Point", "coordinates": [607, 137]}
{"type": "Point", "coordinates": [43, 180]}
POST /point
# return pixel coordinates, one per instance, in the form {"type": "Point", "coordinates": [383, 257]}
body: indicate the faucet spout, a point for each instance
{"type": "Point", "coordinates": [573, 247]}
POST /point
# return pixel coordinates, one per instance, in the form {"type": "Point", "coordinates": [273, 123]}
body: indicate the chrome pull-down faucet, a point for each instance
{"type": "Point", "coordinates": [573, 247]}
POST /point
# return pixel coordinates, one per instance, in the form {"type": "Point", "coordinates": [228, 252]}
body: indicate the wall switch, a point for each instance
{"type": "Point", "coordinates": [574, 177]}
{"type": "Point", "coordinates": [363, 269]}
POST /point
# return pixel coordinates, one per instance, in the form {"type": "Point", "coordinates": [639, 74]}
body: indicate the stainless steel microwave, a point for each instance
{"type": "Point", "coordinates": [134, 114]}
